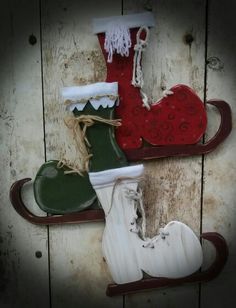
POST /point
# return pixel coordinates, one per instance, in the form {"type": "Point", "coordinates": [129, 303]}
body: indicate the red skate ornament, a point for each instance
{"type": "Point", "coordinates": [172, 126]}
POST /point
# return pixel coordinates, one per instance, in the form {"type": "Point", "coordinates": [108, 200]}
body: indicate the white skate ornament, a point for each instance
{"type": "Point", "coordinates": [172, 256]}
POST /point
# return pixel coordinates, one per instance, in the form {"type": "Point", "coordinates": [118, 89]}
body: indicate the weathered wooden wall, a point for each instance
{"type": "Point", "coordinates": [62, 266]}
{"type": "Point", "coordinates": [23, 276]}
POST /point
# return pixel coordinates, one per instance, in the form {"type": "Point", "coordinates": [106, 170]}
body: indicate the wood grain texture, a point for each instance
{"type": "Point", "coordinates": [72, 56]}
{"type": "Point", "coordinates": [172, 188]}
{"type": "Point", "coordinates": [219, 207]}
{"type": "Point", "coordinates": [23, 276]}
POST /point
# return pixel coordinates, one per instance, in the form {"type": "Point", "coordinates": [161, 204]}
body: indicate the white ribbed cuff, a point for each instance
{"type": "Point", "coordinates": [101, 25]}
{"type": "Point", "coordinates": [109, 177]}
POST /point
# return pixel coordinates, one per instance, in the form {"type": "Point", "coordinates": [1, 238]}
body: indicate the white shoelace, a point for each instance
{"type": "Point", "coordinates": [136, 196]}
{"type": "Point", "coordinates": [137, 77]}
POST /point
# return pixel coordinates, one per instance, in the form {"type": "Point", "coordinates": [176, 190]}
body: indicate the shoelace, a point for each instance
{"type": "Point", "coordinates": [151, 241]}
{"type": "Point", "coordinates": [136, 196]}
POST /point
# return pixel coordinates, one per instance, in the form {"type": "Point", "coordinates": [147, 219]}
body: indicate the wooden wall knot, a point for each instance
{"type": "Point", "coordinates": [32, 39]}
{"type": "Point", "coordinates": [215, 63]}
{"type": "Point", "coordinates": [188, 39]}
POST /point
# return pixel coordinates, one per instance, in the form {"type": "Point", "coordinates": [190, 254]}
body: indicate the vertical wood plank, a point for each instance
{"type": "Point", "coordinates": [219, 203]}
{"type": "Point", "coordinates": [173, 186]}
{"type": "Point", "coordinates": [72, 56]}
{"type": "Point", "coordinates": [23, 276]}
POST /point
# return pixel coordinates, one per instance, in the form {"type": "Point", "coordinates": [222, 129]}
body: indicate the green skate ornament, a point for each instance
{"type": "Point", "coordinates": [63, 187]}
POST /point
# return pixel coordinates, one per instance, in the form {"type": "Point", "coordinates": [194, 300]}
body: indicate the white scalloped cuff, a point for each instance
{"type": "Point", "coordinates": [103, 94]}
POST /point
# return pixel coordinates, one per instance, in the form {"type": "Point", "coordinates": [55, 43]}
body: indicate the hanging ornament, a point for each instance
{"type": "Point", "coordinates": [171, 126]}
{"type": "Point", "coordinates": [175, 252]}
{"type": "Point", "coordinates": [179, 119]}
{"type": "Point", "coordinates": [62, 186]}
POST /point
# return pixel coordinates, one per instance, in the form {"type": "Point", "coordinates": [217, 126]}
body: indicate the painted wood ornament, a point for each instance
{"type": "Point", "coordinates": [172, 126]}
{"type": "Point", "coordinates": [175, 252]}
{"type": "Point", "coordinates": [63, 186]}
{"type": "Point", "coordinates": [173, 256]}
{"type": "Point", "coordinates": [121, 214]}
